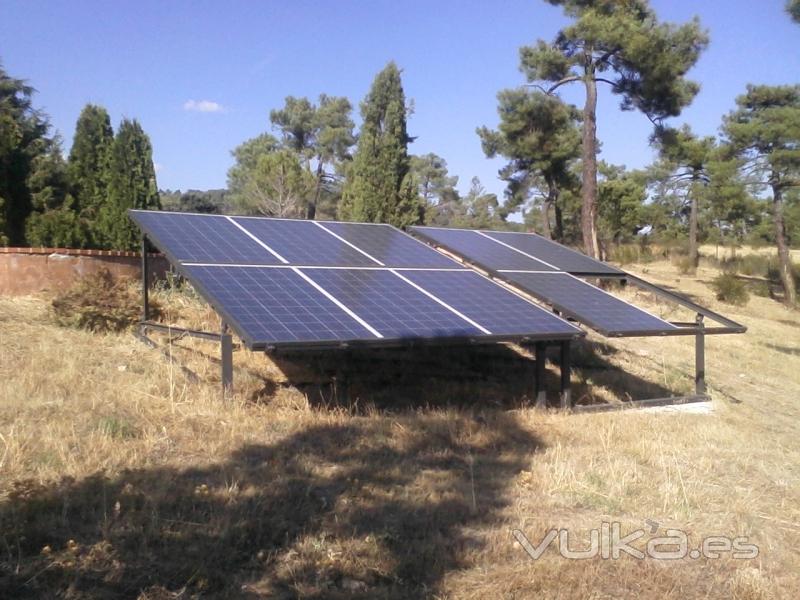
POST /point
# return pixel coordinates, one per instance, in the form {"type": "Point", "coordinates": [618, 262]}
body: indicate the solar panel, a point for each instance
{"type": "Point", "coordinates": [589, 304]}
{"type": "Point", "coordinates": [304, 242]}
{"type": "Point", "coordinates": [392, 306]}
{"type": "Point", "coordinates": [283, 283]}
{"type": "Point", "coordinates": [188, 237]}
{"type": "Point", "coordinates": [481, 250]}
{"type": "Point", "coordinates": [485, 301]}
{"type": "Point", "coordinates": [390, 246]}
{"type": "Point", "coordinates": [561, 257]}
{"type": "Point", "coordinates": [277, 305]}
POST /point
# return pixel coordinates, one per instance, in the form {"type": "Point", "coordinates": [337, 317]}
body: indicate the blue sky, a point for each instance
{"type": "Point", "coordinates": [164, 62]}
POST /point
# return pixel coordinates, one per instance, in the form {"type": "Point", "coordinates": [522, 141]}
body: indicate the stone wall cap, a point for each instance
{"type": "Point", "coordinates": [74, 252]}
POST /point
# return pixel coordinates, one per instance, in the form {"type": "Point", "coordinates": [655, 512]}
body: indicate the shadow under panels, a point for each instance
{"type": "Point", "coordinates": [290, 283]}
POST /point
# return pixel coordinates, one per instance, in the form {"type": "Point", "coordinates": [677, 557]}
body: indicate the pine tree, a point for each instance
{"type": "Point", "coordinates": [620, 43]}
{"type": "Point", "coordinates": [132, 185]}
{"type": "Point", "coordinates": [540, 137]}
{"type": "Point", "coordinates": [793, 8]}
{"type": "Point", "coordinates": [380, 187]}
{"type": "Point", "coordinates": [89, 167]}
{"type": "Point", "coordinates": [764, 131]}
{"type": "Point", "coordinates": [686, 157]}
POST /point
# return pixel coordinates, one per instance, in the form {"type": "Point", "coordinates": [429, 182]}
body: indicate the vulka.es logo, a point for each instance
{"type": "Point", "coordinates": [608, 542]}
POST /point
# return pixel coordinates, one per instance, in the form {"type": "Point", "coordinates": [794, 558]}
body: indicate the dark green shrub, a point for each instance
{"type": "Point", "coordinates": [730, 289]}
{"type": "Point", "coordinates": [760, 288]}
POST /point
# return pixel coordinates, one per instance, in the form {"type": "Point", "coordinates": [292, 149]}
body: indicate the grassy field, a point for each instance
{"type": "Point", "coordinates": [121, 478]}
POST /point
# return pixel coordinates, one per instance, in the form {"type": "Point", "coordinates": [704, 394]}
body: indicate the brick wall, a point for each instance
{"type": "Point", "coordinates": [29, 270]}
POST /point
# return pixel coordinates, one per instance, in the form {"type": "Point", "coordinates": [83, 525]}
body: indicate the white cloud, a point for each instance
{"type": "Point", "coordinates": [203, 106]}
{"type": "Point", "coordinates": [158, 167]}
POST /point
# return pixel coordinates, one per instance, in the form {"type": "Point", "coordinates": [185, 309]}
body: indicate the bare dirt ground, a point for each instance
{"type": "Point", "coordinates": [120, 478]}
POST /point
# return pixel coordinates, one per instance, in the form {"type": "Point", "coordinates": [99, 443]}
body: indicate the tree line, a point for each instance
{"type": "Point", "coordinates": [77, 202]}
{"type": "Point", "coordinates": [739, 186]}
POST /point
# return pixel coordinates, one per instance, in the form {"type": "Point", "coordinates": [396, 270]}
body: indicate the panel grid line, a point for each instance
{"type": "Point", "coordinates": [353, 246]}
{"type": "Point", "coordinates": [510, 247]}
{"type": "Point", "coordinates": [347, 268]}
{"type": "Point", "coordinates": [442, 302]}
{"type": "Point", "coordinates": [333, 299]}
{"type": "Point", "coordinates": [258, 241]}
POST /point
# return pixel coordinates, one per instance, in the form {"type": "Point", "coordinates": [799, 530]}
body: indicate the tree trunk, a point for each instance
{"type": "Point", "coordinates": [546, 206]}
{"type": "Point", "coordinates": [559, 230]}
{"type": "Point", "coordinates": [311, 211]}
{"type": "Point", "coordinates": [693, 253]}
{"type": "Point", "coordinates": [589, 157]}
{"type": "Point", "coordinates": [784, 262]}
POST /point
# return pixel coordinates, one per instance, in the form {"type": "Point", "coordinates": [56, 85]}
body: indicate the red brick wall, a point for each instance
{"type": "Point", "coordinates": [29, 270]}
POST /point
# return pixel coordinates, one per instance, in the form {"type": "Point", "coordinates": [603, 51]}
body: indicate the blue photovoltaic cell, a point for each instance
{"type": "Point", "coordinates": [275, 305]}
{"type": "Point", "coordinates": [304, 243]}
{"type": "Point", "coordinates": [201, 238]}
{"type": "Point", "coordinates": [390, 246]}
{"type": "Point", "coordinates": [488, 304]}
{"type": "Point", "coordinates": [481, 250]}
{"type": "Point", "coordinates": [390, 305]}
{"type": "Point", "coordinates": [588, 304]}
{"type": "Point", "coordinates": [565, 259]}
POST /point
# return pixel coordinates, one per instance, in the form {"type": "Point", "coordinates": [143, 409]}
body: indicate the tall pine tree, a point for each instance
{"type": "Point", "coordinates": [89, 167]}
{"type": "Point", "coordinates": [379, 186]}
{"type": "Point", "coordinates": [132, 184]}
{"type": "Point", "coordinates": [619, 43]}
{"type": "Point", "coordinates": [764, 131]}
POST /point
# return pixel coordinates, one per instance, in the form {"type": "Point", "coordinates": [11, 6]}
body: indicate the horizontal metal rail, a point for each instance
{"type": "Point", "coordinates": [731, 326]}
{"type": "Point", "coordinates": [205, 335]}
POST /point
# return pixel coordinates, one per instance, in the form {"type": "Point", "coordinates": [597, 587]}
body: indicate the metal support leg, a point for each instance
{"type": "Point", "coordinates": [145, 281]}
{"type": "Point", "coordinates": [226, 347]}
{"type": "Point", "coordinates": [699, 358]}
{"type": "Point", "coordinates": [341, 385]}
{"type": "Point", "coordinates": [541, 393]}
{"type": "Point", "coordinates": [566, 396]}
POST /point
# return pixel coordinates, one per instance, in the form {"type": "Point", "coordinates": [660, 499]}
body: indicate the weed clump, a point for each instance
{"type": "Point", "coordinates": [100, 303]}
{"type": "Point", "coordinates": [731, 289]}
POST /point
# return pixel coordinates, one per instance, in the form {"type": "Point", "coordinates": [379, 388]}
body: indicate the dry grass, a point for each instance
{"type": "Point", "coordinates": [119, 478]}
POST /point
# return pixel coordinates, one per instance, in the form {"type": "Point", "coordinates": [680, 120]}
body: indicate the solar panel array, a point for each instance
{"type": "Point", "coordinates": [282, 283]}
{"type": "Point", "coordinates": [547, 270]}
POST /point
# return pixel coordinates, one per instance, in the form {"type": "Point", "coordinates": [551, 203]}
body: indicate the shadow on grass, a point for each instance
{"type": "Point", "coordinates": [784, 349]}
{"type": "Point", "coordinates": [497, 376]}
{"type": "Point", "coordinates": [375, 508]}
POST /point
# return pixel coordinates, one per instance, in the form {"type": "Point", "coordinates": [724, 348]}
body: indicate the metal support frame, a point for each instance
{"type": "Point", "coordinates": [226, 355]}
{"type": "Point", "coordinates": [145, 280]}
{"type": "Point", "coordinates": [728, 325]}
{"type": "Point", "coordinates": [566, 394]}
{"type": "Point", "coordinates": [700, 358]}
{"type": "Point", "coordinates": [541, 393]}
{"type": "Point", "coordinates": [224, 337]}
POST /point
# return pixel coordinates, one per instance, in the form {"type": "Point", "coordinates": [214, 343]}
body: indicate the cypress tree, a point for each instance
{"type": "Point", "coordinates": [132, 184]}
{"type": "Point", "coordinates": [89, 167]}
{"type": "Point", "coordinates": [379, 186]}
{"type": "Point", "coordinates": [53, 220]}
{"type": "Point", "coordinates": [23, 139]}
